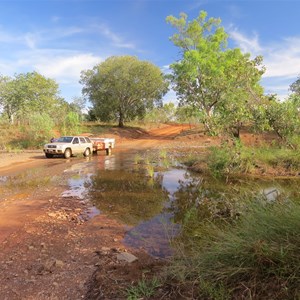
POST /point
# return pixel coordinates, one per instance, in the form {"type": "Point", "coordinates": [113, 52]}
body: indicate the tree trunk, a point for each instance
{"type": "Point", "coordinates": [121, 120]}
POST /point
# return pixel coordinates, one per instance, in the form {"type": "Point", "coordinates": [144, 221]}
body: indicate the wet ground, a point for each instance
{"type": "Point", "coordinates": [63, 220]}
{"type": "Point", "coordinates": [139, 189]}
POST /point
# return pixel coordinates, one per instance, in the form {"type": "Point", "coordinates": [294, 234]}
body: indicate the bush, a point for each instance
{"type": "Point", "coordinates": [38, 131]}
{"type": "Point", "coordinates": [228, 159]}
{"type": "Point", "coordinates": [72, 124]}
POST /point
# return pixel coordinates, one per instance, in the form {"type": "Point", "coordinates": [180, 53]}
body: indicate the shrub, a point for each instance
{"type": "Point", "coordinates": [72, 124]}
{"type": "Point", "coordinates": [229, 159]}
{"type": "Point", "coordinates": [38, 131]}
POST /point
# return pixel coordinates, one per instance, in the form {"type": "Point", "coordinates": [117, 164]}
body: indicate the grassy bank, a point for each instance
{"type": "Point", "coordinates": [255, 257]}
{"type": "Point", "coordinates": [232, 160]}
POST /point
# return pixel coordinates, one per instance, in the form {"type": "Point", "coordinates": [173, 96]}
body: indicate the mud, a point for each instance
{"type": "Point", "coordinates": [54, 244]}
{"type": "Point", "coordinates": [50, 246]}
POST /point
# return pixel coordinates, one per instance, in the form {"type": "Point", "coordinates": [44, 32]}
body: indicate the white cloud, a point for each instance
{"type": "Point", "coordinates": [166, 69]}
{"type": "Point", "coordinates": [30, 40]}
{"type": "Point", "coordinates": [281, 59]}
{"type": "Point", "coordinates": [247, 44]}
{"type": "Point", "coordinates": [114, 38]}
{"type": "Point", "coordinates": [65, 68]}
{"type": "Point", "coordinates": [58, 53]}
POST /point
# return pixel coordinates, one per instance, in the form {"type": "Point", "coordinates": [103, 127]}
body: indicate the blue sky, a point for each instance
{"type": "Point", "coordinates": [60, 38]}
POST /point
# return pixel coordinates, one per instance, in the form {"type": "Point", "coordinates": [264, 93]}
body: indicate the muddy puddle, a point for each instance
{"type": "Point", "coordinates": [153, 195]}
{"type": "Point", "coordinates": [149, 192]}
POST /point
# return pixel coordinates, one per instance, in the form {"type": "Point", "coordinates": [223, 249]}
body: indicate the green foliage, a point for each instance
{"type": "Point", "coordinates": [38, 131]}
{"type": "Point", "coordinates": [219, 161]}
{"type": "Point", "coordinates": [123, 88]}
{"type": "Point", "coordinates": [283, 117]}
{"type": "Point", "coordinates": [187, 114]}
{"type": "Point", "coordinates": [234, 159]}
{"type": "Point", "coordinates": [255, 256]}
{"type": "Point", "coordinates": [221, 84]}
{"type": "Point", "coordinates": [295, 87]}
{"type": "Point", "coordinates": [286, 158]}
{"type": "Point", "coordinates": [144, 288]}
{"type": "Point", "coordinates": [228, 159]}
{"type": "Point", "coordinates": [78, 105]}
{"type": "Point", "coordinates": [163, 114]}
{"type": "Point", "coordinates": [213, 291]}
{"type": "Point", "coordinates": [28, 92]}
{"type": "Point", "coordinates": [71, 124]}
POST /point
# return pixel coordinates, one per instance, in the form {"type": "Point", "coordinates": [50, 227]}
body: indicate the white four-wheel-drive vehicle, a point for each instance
{"type": "Point", "coordinates": [68, 146]}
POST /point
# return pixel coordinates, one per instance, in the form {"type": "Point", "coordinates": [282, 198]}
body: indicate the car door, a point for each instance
{"type": "Point", "coordinates": [76, 146]}
{"type": "Point", "coordinates": [83, 144]}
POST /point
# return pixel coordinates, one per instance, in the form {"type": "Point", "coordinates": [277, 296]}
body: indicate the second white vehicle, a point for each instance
{"type": "Point", "coordinates": [68, 146]}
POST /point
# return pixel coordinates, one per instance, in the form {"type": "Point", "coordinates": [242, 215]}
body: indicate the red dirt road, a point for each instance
{"type": "Point", "coordinates": [48, 248]}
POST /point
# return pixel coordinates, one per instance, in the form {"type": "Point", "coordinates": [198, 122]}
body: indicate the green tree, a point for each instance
{"type": "Point", "coordinates": [244, 94]}
{"type": "Point", "coordinates": [11, 99]}
{"type": "Point", "coordinates": [28, 92]}
{"type": "Point", "coordinates": [163, 114]}
{"type": "Point", "coordinates": [283, 117]}
{"type": "Point", "coordinates": [188, 114]}
{"type": "Point", "coordinates": [295, 87]}
{"type": "Point", "coordinates": [78, 105]}
{"type": "Point", "coordinates": [122, 88]}
{"type": "Point", "coordinates": [210, 77]}
{"type": "Point", "coordinates": [71, 123]}
{"type": "Point", "coordinates": [39, 129]}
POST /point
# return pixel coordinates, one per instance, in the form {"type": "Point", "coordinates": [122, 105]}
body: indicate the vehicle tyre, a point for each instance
{"type": "Point", "coordinates": [49, 155]}
{"type": "Point", "coordinates": [108, 151]}
{"type": "Point", "coordinates": [87, 152]}
{"type": "Point", "coordinates": [68, 153]}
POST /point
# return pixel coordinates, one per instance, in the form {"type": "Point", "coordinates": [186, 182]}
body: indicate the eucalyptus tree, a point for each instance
{"type": "Point", "coordinates": [10, 99]}
{"type": "Point", "coordinates": [28, 92]}
{"type": "Point", "coordinates": [122, 88]}
{"type": "Point", "coordinates": [210, 77]}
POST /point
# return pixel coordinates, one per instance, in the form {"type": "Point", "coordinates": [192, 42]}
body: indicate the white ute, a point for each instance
{"type": "Point", "coordinates": [68, 146]}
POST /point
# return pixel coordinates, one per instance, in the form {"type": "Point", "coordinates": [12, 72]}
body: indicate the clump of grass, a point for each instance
{"type": "Point", "coordinates": [137, 159]}
{"type": "Point", "coordinates": [257, 257]}
{"type": "Point", "coordinates": [190, 159]}
{"type": "Point", "coordinates": [229, 159]}
{"type": "Point", "coordinates": [163, 154]}
{"type": "Point", "coordinates": [150, 171]}
{"type": "Point", "coordinates": [144, 288]}
{"type": "Point", "coordinates": [232, 159]}
{"type": "Point", "coordinates": [278, 157]}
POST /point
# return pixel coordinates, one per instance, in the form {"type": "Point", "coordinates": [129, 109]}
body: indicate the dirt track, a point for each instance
{"type": "Point", "coordinates": [48, 249]}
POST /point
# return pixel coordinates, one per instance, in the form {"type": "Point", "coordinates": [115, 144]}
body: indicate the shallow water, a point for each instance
{"type": "Point", "coordinates": [153, 198]}
{"type": "Point", "coordinates": [150, 194]}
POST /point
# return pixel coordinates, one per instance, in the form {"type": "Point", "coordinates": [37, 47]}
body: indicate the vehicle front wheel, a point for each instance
{"type": "Point", "coordinates": [108, 151]}
{"type": "Point", "coordinates": [87, 152]}
{"type": "Point", "coordinates": [49, 155]}
{"type": "Point", "coordinates": [67, 153]}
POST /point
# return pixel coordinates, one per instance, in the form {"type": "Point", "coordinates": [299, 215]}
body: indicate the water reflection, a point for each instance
{"type": "Point", "coordinates": [130, 196]}
{"type": "Point", "coordinates": [155, 200]}
{"type": "Point", "coordinates": [134, 193]}
{"type": "Point", "coordinates": [29, 180]}
{"type": "Point", "coordinates": [145, 192]}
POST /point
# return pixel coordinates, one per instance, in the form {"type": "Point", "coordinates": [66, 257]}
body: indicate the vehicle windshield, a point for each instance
{"type": "Point", "coordinates": [65, 139]}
